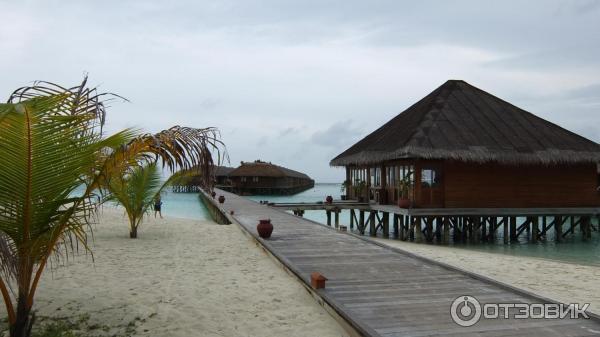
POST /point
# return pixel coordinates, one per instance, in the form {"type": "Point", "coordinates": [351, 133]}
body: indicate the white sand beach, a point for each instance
{"type": "Point", "coordinates": [564, 282]}
{"type": "Point", "coordinates": [180, 278]}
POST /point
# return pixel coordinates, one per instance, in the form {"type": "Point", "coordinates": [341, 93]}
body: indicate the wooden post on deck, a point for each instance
{"type": "Point", "coordinates": [395, 225]}
{"type": "Point", "coordinates": [337, 217]}
{"type": "Point", "coordinates": [352, 215]}
{"type": "Point", "coordinates": [328, 218]}
{"type": "Point", "coordinates": [411, 228]}
{"type": "Point", "coordinates": [386, 224]}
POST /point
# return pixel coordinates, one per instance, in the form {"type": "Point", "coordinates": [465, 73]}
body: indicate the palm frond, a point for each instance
{"type": "Point", "coordinates": [81, 98]}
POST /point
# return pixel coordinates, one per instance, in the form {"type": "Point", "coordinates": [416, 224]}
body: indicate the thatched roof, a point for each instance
{"type": "Point", "coordinates": [263, 169]}
{"type": "Point", "coordinates": [223, 171]}
{"type": "Point", "coordinates": [461, 122]}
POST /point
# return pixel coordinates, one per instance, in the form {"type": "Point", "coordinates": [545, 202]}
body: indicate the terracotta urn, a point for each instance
{"type": "Point", "coordinates": [404, 203]}
{"type": "Point", "coordinates": [264, 228]}
{"type": "Point", "coordinates": [221, 199]}
{"type": "Point", "coordinates": [329, 199]}
{"type": "Point", "coordinates": [213, 194]}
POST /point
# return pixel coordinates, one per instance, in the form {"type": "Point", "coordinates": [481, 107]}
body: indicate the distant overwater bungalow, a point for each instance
{"type": "Point", "coordinates": [264, 178]}
{"type": "Point", "coordinates": [253, 178]}
{"type": "Point", "coordinates": [465, 161]}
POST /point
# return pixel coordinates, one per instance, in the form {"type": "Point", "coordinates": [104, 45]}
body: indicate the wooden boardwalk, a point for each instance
{"type": "Point", "coordinates": [383, 291]}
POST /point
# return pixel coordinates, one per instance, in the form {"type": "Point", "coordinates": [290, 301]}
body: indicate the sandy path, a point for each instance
{"type": "Point", "coordinates": [181, 278]}
{"type": "Point", "coordinates": [565, 282]}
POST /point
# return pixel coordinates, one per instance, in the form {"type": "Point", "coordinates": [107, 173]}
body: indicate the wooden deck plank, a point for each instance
{"type": "Point", "coordinates": [386, 292]}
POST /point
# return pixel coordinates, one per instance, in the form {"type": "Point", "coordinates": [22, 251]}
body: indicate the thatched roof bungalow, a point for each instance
{"type": "Point", "coordinates": [264, 178]}
{"type": "Point", "coordinates": [463, 147]}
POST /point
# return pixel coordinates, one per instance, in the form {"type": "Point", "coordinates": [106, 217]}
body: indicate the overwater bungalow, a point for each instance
{"type": "Point", "coordinates": [463, 151]}
{"type": "Point", "coordinates": [263, 178]}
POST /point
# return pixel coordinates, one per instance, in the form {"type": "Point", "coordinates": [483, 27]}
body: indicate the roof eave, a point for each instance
{"type": "Point", "coordinates": [479, 155]}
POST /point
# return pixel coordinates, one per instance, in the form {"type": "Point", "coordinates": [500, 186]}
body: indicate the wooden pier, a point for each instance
{"type": "Point", "coordinates": [456, 224]}
{"type": "Point", "coordinates": [381, 291]}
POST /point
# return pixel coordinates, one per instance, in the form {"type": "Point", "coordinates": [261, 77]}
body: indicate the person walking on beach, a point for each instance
{"type": "Point", "coordinates": [157, 205]}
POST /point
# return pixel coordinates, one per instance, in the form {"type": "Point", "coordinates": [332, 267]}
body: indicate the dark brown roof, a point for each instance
{"type": "Point", "coordinates": [223, 171]}
{"type": "Point", "coordinates": [461, 122]}
{"type": "Point", "coordinates": [263, 169]}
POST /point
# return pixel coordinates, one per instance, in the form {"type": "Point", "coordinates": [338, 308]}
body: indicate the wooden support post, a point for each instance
{"type": "Point", "coordinates": [411, 228]}
{"type": "Point", "coordinates": [535, 228]}
{"type": "Point", "coordinates": [473, 224]}
{"type": "Point", "coordinates": [558, 222]}
{"type": "Point", "coordinates": [328, 218]}
{"type": "Point", "coordinates": [493, 227]}
{"type": "Point", "coordinates": [505, 237]}
{"type": "Point", "coordinates": [484, 229]}
{"type": "Point", "coordinates": [418, 229]}
{"type": "Point", "coordinates": [586, 229]}
{"type": "Point", "coordinates": [457, 230]}
{"type": "Point", "coordinates": [395, 225]}
{"type": "Point", "coordinates": [438, 229]}
{"type": "Point", "coordinates": [386, 224]}
{"type": "Point", "coordinates": [464, 226]}
{"type": "Point", "coordinates": [513, 228]}
{"type": "Point", "coordinates": [337, 218]}
{"type": "Point", "coordinates": [403, 231]}
{"type": "Point", "coordinates": [352, 216]}
{"type": "Point", "coordinates": [429, 229]}
{"type": "Point", "coordinates": [446, 225]}
{"type": "Point", "coordinates": [544, 226]}
{"type": "Point", "coordinates": [361, 221]}
{"type": "Point", "coordinates": [372, 225]}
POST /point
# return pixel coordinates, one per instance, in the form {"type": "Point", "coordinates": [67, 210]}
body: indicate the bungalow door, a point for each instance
{"type": "Point", "coordinates": [431, 187]}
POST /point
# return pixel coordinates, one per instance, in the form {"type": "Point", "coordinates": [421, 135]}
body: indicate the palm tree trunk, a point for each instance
{"type": "Point", "coordinates": [24, 321]}
{"type": "Point", "coordinates": [133, 232]}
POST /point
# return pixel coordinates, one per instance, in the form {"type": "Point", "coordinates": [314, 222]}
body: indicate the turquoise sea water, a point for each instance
{"type": "Point", "coordinates": [183, 205]}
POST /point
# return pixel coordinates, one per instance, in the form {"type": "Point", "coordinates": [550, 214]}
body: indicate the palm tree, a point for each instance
{"type": "Point", "coordinates": [51, 142]}
{"type": "Point", "coordinates": [137, 190]}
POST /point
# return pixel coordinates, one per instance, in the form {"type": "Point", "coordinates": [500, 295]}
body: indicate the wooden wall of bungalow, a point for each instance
{"type": "Point", "coordinates": [454, 184]}
{"type": "Point", "coordinates": [266, 182]}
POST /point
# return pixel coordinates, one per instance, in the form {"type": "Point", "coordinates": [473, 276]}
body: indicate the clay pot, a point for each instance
{"type": "Point", "coordinates": [264, 228]}
{"type": "Point", "coordinates": [329, 199]}
{"type": "Point", "coordinates": [213, 194]}
{"type": "Point", "coordinates": [221, 199]}
{"type": "Point", "coordinates": [404, 203]}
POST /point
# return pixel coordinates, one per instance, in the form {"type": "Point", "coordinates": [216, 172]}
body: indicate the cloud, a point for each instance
{"type": "Point", "coordinates": [339, 135]}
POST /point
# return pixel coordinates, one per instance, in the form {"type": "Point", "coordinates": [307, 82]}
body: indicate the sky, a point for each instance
{"type": "Point", "coordinates": [298, 82]}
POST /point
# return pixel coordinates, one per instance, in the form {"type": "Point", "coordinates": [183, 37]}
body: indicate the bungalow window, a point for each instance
{"type": "Point", "coordinates": [254, 179]}
{"type": "Point", "coordinates": [376, 176]}
{"type": "Point", "coordinates": [243, 179]}
{"type": "Point", "coordinates": [430, 178]}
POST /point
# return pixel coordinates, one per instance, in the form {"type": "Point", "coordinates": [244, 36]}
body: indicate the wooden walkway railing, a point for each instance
{"type": "Point", "coordinates": [381, 291]}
